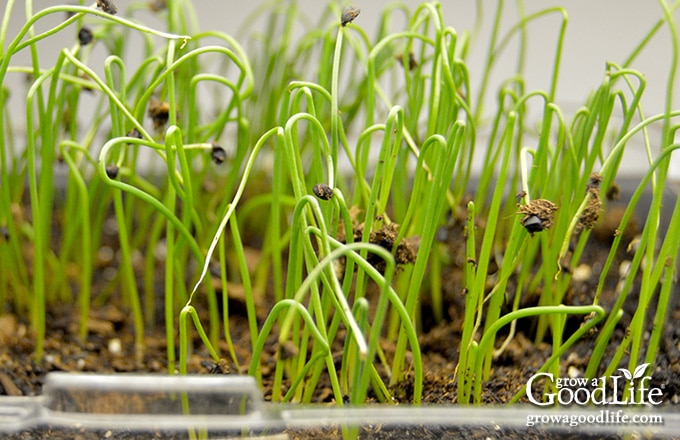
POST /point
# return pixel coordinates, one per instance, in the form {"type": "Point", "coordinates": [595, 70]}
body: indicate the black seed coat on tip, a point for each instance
{"type": "Point", "coordinates": [323, 191]}
{"type": "Point", "coordinates": [349, 14]}
{"type": "Point", "coordinates": [218, 154]}
{"type": "Point", "coordinates": [533, 224]}
{"type": "Point", "coordinates": [112, 171]}
{"type": "Point", "coordinates": [108, 6]}
{"type": "Point", "coordinates": [85, 36]}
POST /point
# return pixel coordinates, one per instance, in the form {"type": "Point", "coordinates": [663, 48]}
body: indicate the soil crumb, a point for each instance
{"type": "Point", "coordinates": [405, 252]}
{"type": "Point", "coordinates": [593, 209]}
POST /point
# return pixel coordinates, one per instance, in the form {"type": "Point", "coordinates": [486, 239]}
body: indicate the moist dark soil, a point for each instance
{"type": "Point", "coordinates": [109, 348]}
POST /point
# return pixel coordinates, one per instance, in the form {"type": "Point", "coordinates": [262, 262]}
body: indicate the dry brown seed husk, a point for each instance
{"type": "Point", "coordinates": [107, 6]}
{"type": "Point", "coordinates": [412, 62]}
{"type": "Point", "coordinates": [158, 5]}
{"type": "Point", "coordinates": [349, 14]}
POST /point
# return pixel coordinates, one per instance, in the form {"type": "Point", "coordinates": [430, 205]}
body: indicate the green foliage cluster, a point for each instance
{"type": "Point", "coordinates": [384, 129]}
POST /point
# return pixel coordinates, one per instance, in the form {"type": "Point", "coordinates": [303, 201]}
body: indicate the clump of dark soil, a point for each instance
{"type": "Point", "coordinates": [593, 208]}
{"type": "Point", "coordinates": [405, 252]}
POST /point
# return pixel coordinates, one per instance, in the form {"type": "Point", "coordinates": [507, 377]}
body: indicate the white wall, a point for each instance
{"type": "Point", "coordinates": [598, 31]}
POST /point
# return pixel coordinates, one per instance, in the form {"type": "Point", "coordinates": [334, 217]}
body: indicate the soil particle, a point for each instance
{"type": "Point", "coordinates": [406, 250]}
{"type": "Point", "coordinates": [608, 228]}
{"type": "Point", "coordinates": [8, 385]}
{"type": "Point", "coordinates": [288, 350]}
{"type": "Point", "coordinates": [439, 341]}
{"type": "Point", "coordinates": [591, 213]}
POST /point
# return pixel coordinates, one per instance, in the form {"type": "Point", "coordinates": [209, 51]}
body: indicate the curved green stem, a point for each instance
{"type": "Point", "coordinates": [490, 334]}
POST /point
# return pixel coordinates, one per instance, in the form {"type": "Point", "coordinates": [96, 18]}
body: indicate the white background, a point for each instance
{"type": "Point", "coordinates": [598, 31]}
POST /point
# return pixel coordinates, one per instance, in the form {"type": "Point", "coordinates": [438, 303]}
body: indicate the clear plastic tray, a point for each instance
{"type": "Point", "coordinates": [207, 406]}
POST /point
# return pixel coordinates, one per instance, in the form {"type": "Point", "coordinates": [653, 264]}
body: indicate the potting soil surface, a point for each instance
{"type": "Point", "coordinates": [109, 348]}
